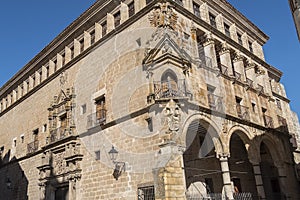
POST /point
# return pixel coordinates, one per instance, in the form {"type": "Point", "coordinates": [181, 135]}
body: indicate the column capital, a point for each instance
{"type": "Point", "coordinates": [208, 39]}
{"type": "Point", "coordinates": [224, 48]}
{"type": "Point", "coordinates": [238, 57]}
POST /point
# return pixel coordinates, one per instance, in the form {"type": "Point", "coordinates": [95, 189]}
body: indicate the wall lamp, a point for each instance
{"type": "Point", "coordinates": [119, 166]}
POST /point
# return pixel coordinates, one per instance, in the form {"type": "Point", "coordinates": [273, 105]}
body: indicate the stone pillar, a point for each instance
{"type": "Point", "coordinates": [238, 63]}
{"type": "Point", "coordinates": [258, 180]}
{"type": "Point", "coordinates": [225, 58]}
{"type": "Point", "coordinates": [169, 178]}
{"type": "Point", "coordinates": [250, 71]}
{"type": "Point", "coordinates": [68, 54]}
{"type": "Point", "coordinates": [209, 49]}
{"type": "Point", "coordinates": [19, 92]}
{"type": "Point", "coordinates": [226, 177]}
{"type": "Point", "coordinates": [188, 4]}
{"type": "Point", "coordinates": [194, 42]}
{"type": "Point", "coordinates": [76, 48]}
{"type": "Point", "coordinates": [59, 62]}
{"type": "Point", "coordinates": [124, 12]}
{"type": "Point", "coordinates": [37, 78]}
{"type": "Point", "coordinates": [51, 67]}
{"type": "Point", "coordinates": [110, 22]}
{"type": "Point", "coordinates": [44, 73]}
{"type": "Point", "coordinates": [31, 82]}
{"type": "Point", "coordinates": [204, 12]}
{"type": "Point", "coordinates": [139, 4]}
{"type": "Point", "coordinates": [98, 32]}
{"type": "Point", "coordinates": [233, 32]}
{"type": "Point", "coordinates": [220, 23]}
{"type": "Point", "coordinates": [245, 40]}
{"type": "Point", "coordinates": [14, 96]}
{"type": "Point", "coordinates": [282, 178]}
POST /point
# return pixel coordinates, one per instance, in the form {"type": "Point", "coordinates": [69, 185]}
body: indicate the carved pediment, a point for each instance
{"type": "Point", "coordinates": [166, 50]}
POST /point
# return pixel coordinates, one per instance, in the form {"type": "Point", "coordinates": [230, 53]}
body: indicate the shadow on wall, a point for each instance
{"type": "Point", "coordinates": [13, 182]}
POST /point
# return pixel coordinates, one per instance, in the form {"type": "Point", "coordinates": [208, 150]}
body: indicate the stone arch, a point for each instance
{"type": "Point", "coordinates": [213, 130]}
{"type": "Point", "coordinates": [276, 153]}
{"type": "Point", "coordinates": [168, 75]}
{"type": "Point", "coordinates": [251, 146]}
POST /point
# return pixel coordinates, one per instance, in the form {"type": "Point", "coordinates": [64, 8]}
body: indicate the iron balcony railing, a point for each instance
{"type": "Point", "coordinates": [282, 123]}
{"type": "Point", "coordinates": [268, 121]}
{"type": "Point", "coordinates": [215, 102]}
{"type": "Point", "coordinates": [206, 62]}
{"type": "Point", "coordinates": [238, 76]}
{"type": "Point", "coordinates": [223, 69]}
{"type": "Point", "coordinates": [260, 88]}
{"type": "Point", "coordinates": [242, 112]}
{"type": "Point", "coordinates": [249, 82]}
{"type": "Point", "coordinates": [96, 119]}
{"type": "Point", "coordinates": [57, 134]}
{"type": "Point", "coordinates": [32, 146]}
{"type": "Point", "coordinates": [170, 89]}
{"type": "Point", "coordinates": [219, 196]}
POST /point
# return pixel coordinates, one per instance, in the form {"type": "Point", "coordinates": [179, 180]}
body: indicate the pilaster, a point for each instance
{"type": "Point", "coordinates": [238, 63]}
{"type": "Point", "coordinates": [220, 23]}
{"type": "Point", "coordinates": [233, 32]}
{"type": "Point", "coordinates": [98, 32]}
{"type": "Point", "coordinates": [226, 58]}
{"type": "Point", "coordinates": [76, 47]}
{"type": "Point", "coordinates": [110, 22]}
{"type": "Point", "coordinates": [258, 179]}
{"type": "Point", "coordinates": [124, 12]}
{"type": "Point", "coordinates": [226, 177]}
{"type": "Point", "coordinates": [68, 54]}
{"type": "Point", "coordinates": [59, 62]}
{"type": "Point", "coordinates": [87, 40]}
{"type": "Point", "coordinates": [51, 67]}
{"type": "Point", "coordinates": [209, 49]}
{"type": "Point", "coordinates": [204, 12]}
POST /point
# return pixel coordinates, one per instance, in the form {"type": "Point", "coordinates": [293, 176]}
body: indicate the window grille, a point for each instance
{"type": "Point", "coordinates": [146, 193]}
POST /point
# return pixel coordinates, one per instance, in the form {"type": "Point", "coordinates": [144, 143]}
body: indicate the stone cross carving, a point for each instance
{"type": "Point", "coordinates": [172, 114]}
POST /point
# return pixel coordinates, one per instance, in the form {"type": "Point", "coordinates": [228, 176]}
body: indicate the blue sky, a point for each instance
{"type": "Point", "coordinates": [28, 26]}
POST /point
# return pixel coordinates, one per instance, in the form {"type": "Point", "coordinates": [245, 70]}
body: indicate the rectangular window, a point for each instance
{"type": "Point", "coordinates": [63, 121]}
{"type": "Point", "coordinates": [62, 193]}
{"type": "Point", "coordinates": [117, 18]}
{"type": "Point", "coordinates": [81, 45]}
{"type": "Point", "coordinates": [196, 9]}
{"type": "Point", "coordinates": [83, 109]}
{"type": "Point", "coordinates": [44, 128]}
{"type": "Point", "coordinates": [131, 9]}
{"type": "Point", "coordinates": [63, 59]}
{"type": "Point", "coordinates": [146, 193]}
{"type": "Point", "coordinates": [239, 36]}
{"type": "Point", "coordinates": [212, 20]}
{"type": "Point", "coordinates": [250, 47]}
{"type": "Point", "coordinates": [226, 28]}
{"type": "Point", "coordinates": [97, 155]}
{"type": "Point", "coordinates": [278, 104]}
{"type": "Point", "coordinates": [104, 28]}
{"type": "Point", "coordinates": [92, 37]}
{"type": "Point", "coordinates": [72, 52]}
{"type": "Point", "coordinates": [100, 110]}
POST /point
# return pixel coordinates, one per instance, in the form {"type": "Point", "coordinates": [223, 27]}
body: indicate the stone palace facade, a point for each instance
{"type": "Point", "coordinates": [150, 99]}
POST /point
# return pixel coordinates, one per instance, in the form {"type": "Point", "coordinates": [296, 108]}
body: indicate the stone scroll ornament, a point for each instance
{"type": "Point", "coordinates": [172, 116]}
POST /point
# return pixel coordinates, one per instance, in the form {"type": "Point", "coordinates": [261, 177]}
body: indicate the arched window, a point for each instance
{"type": "Point", "coordinates": [169, 84]}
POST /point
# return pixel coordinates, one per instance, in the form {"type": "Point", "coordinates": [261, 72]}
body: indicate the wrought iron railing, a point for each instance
{"type": "Point", "coordinates": [268, 121]}
{"type": "Point", "coordinates": [238, 76]}
{"type": "Point", "coordinates": [215, 102]}
{"type": "Point", "coordinates": [260, 88]}
{"type": "Point", "coordinates": [282, 123]}
{"type": "Point", "coordinates": [249, 82]}
{"type": "Point", "coordinates": [97, 118]}
{"type": "Point", "coordinates": [170, 89]}
{"type": "Point", "coordinates": [32, 146]}
{"type": "Point", "coordinates": [219, 196]}
{"type": "Point", "coordinates": [223, 69]}
{"type": "Point", "coordinates": [206, 62]}
{"type": "Point", "coordinates": [57, 134]}
{"type": "Point", "coordinates": [242, 112]}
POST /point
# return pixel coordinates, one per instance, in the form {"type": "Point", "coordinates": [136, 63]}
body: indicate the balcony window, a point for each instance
{"type": "Point", "coordinates": [131, 9]}
{"type": "Point", "coordinates": [169, 87]}
{"type": "Point", "coordinates": [104, 28]}
{"type": "Point", "coordinates": [33, 146]}
{"type": "Point", "coordinates": [117, 18]}
{"type": "Point", "coordinates": [101, 110]}
{"type": "Point", "coordinates": [239, 36]}
{"type": "Point", "coordinates": [196, 9]}
{"type": "Point", "coordinates": [226, 28]}
{"type": "Point", "coordinates": [250, 47]}
{"type": "Point", "coordinates": [212, 20]}
{"type": "Point", "coordinates": [278, 104]}
{"type": "Point", "coordinates": [268, 121]}
{"type": "Point", "coordinates": [242, 111]}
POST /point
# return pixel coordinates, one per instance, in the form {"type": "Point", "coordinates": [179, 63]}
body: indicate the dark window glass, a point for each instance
{"type": "Point", "coordinates": [212, 20]}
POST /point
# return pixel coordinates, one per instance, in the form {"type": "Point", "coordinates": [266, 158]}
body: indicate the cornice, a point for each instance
{"type": "Point", "coordinates": [238, 16]}
{"type": "Point", "coordinates": [56, 42]}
